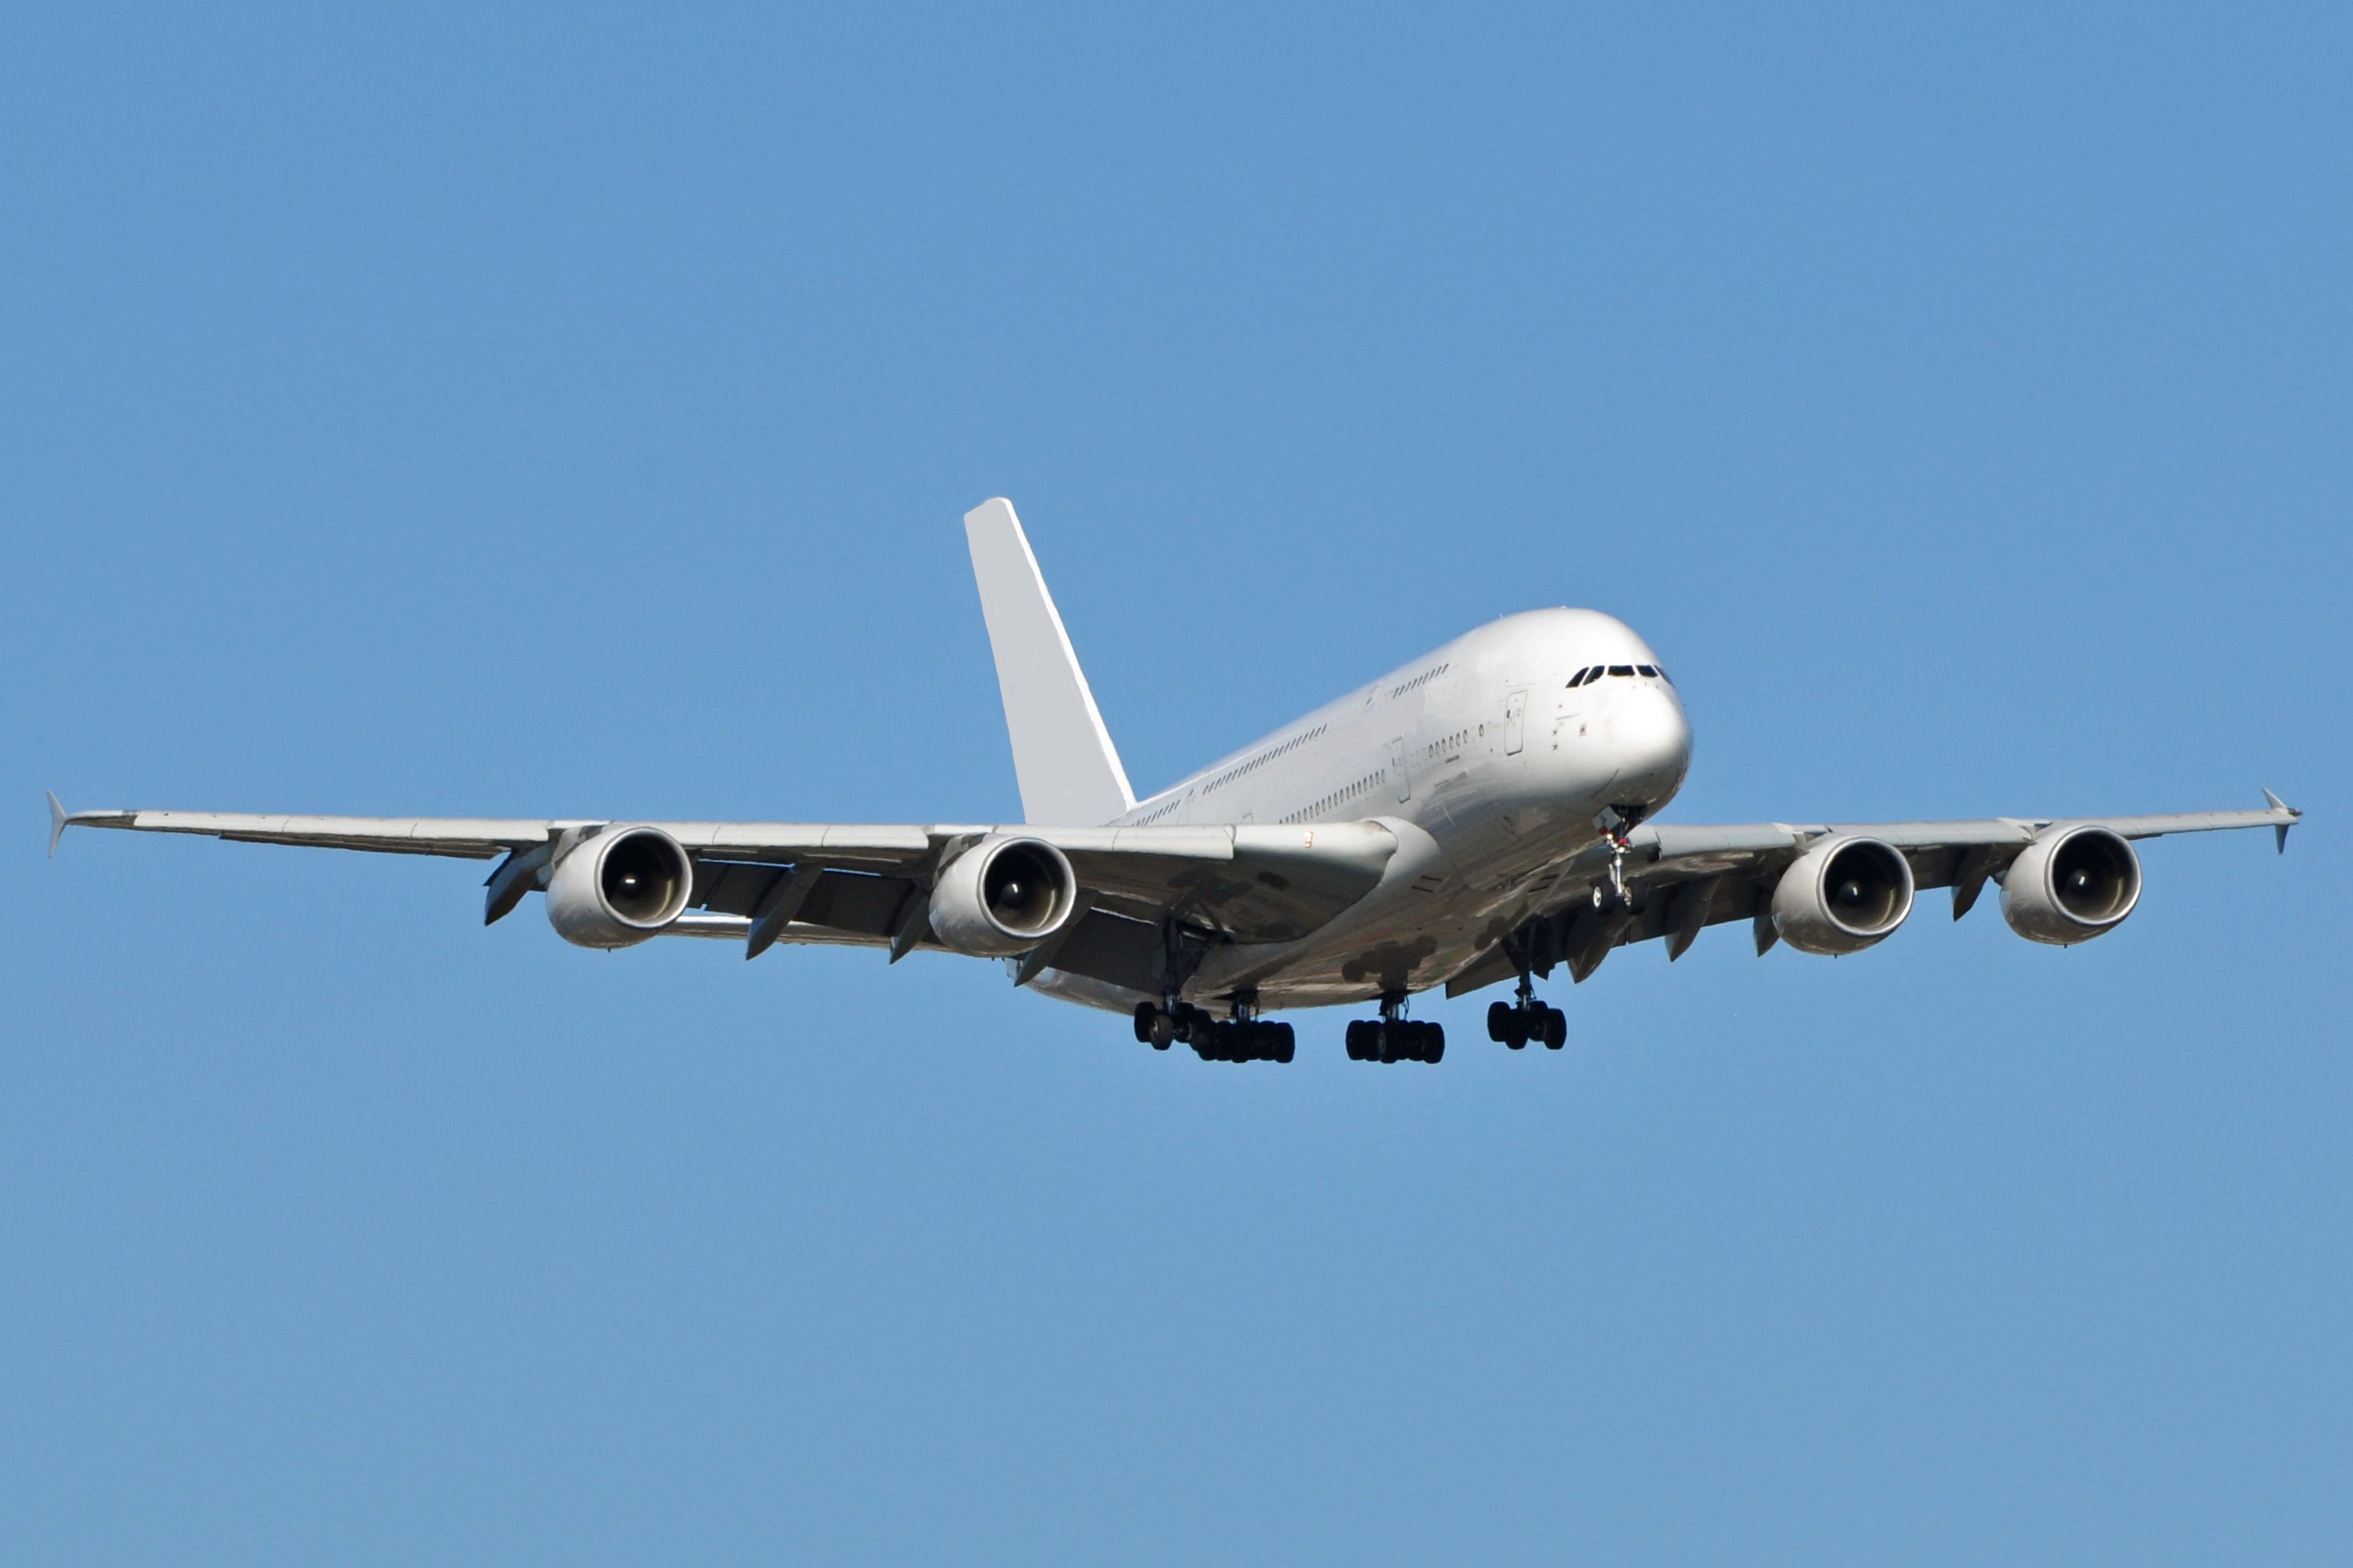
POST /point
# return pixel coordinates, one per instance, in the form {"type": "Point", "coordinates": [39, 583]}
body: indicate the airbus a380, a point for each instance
{"type": "Point", "coordinates": [1485, 814]}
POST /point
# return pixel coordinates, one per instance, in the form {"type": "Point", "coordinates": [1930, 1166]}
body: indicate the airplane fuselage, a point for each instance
{"type": "Point", "coordinates": [1489, 766]}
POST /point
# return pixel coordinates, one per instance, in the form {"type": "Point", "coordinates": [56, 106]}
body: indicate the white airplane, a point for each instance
{"type": "Point", "coordinates": [1482, 814]}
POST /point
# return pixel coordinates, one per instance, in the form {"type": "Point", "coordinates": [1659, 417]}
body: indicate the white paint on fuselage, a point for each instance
{"type": "Point", "coordinates": [1488, 766]}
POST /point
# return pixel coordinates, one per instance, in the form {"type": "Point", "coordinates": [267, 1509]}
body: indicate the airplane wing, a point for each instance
{"type": "Point", "coordinates": [868, 885]}
{"type": "Point", "coordinates": [1683, 879]}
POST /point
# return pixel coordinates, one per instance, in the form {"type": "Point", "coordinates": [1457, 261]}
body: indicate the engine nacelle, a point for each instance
{"type": "Point", "coordinates": [2071, 886]}
{"type": "Point", "coordinates": [618, 888]}
{"type": "Point", "coordinates": [1005, 895]}
{"type": "Point", "coordinates": [1842, 895]}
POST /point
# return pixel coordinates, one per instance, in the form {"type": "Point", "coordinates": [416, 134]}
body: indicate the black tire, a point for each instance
{"type": "Point", "coordinates": [1516, 1033]}
{"type": "Point", "coordinates": [1556, 1028]}
{"type": "Point", "coordinates": [1144, 1014]}
{"type": "Point", "coordinates": [1286, 1043]}
{"type": "Point", "coordinates": [1353, 1036]}
{"type": "Point", "coordinates": [1163, 1031]}
{"type": "Point", "coordinates": [1499, 1021]}
{"type": "Point", "coordinates": [1434, 1046]}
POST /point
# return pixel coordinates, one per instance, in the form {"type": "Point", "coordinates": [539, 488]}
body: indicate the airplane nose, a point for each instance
{"type": "Point", "coordinates": [1652, 738]}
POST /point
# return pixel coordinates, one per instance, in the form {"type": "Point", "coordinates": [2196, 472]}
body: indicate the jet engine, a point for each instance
{"type": "Point", "coordinates": [1842, 895]}
{"type": "Point", "coordinates": [618, 888]}
{"type": "Point", "coordinates": [2071, 886]}
{"type": "Point", "coordinates": [1005, 895]}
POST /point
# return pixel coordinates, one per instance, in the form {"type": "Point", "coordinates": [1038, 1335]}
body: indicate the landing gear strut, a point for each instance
{"type": "Point", "coordinates": [1616, 825]}
{"type": "Point", "coordinates": [1392, 1038]}
{"type": "Point", "coordinates": [1515, 1024]}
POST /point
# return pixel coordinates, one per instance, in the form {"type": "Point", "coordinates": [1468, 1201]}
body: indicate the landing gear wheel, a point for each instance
{"type": "Point", "coordinates": [1145, 1015]}
{"type": "Point", "coordinates": [1286, 1043]}
{"type": "Point", "coordinates": [1389, 1039]}
{"type": "Point", "coordinates": [1163, 1031]}
{"type": "Point", "coordinates": [1556, 1028]}
{"type": "Point", "coordinates": [1499, 1021]}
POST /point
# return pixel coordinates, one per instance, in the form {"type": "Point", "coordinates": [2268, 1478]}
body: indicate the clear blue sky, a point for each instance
{"type": "Point", "coordinates": [557, 413]}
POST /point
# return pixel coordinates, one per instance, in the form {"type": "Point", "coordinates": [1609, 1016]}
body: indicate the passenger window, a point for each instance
{"type": "Point", "coordinates": [1624, 670]}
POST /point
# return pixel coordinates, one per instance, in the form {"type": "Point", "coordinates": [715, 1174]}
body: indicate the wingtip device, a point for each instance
{"type": "Point", "coordinates": [2279, 830]}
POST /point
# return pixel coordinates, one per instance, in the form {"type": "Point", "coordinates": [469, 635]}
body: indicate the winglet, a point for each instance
{"type": "Point", "coordinates": [57, 820]}
{"type": "Point", "coordinates": [2276, 804]}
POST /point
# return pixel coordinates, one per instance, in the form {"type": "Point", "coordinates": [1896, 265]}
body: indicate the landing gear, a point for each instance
{"type": "Point", "coordinates": [1246, 1041]}
{"type": "Point", "coordinates": [1156, 1026]}
{"type": "Point", "coordinates": [1515, 1024]}
{"type": "Point", "coordinates": [1241, 1040]}
{"type": "Point", "coordinates": [1616, 825]}
{"type": "Point", "coordinates": [1391, 1039]}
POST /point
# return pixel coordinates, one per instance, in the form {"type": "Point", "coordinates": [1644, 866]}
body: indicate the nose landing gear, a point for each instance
{"type": "Point", "coordinates": [1616, 825]}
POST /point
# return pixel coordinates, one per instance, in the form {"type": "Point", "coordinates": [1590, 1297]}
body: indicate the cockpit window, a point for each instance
{"type": "Point", "coordinates": [1581, 677]}
{"type": "Point", "coordinates": [1626, 670]}
{"type": "Point", "coordinates": [1649, 669]}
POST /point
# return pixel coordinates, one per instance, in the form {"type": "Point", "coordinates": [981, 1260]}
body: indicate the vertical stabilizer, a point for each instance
{"type": "Point", "coordinates": [1069, 771]}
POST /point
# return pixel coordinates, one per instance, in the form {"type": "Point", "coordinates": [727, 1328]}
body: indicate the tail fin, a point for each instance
{"type": "Point", "coordinates": [1069, 769]}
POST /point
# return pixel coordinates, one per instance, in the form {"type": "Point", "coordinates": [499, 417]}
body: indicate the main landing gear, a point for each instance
{"type": "Point", "coordinates": [1391, 1039]}
{"type": "Point", "coordinates": [1517, 1023]}
{"type": "Point", "coordinates": [1240, 1039]}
